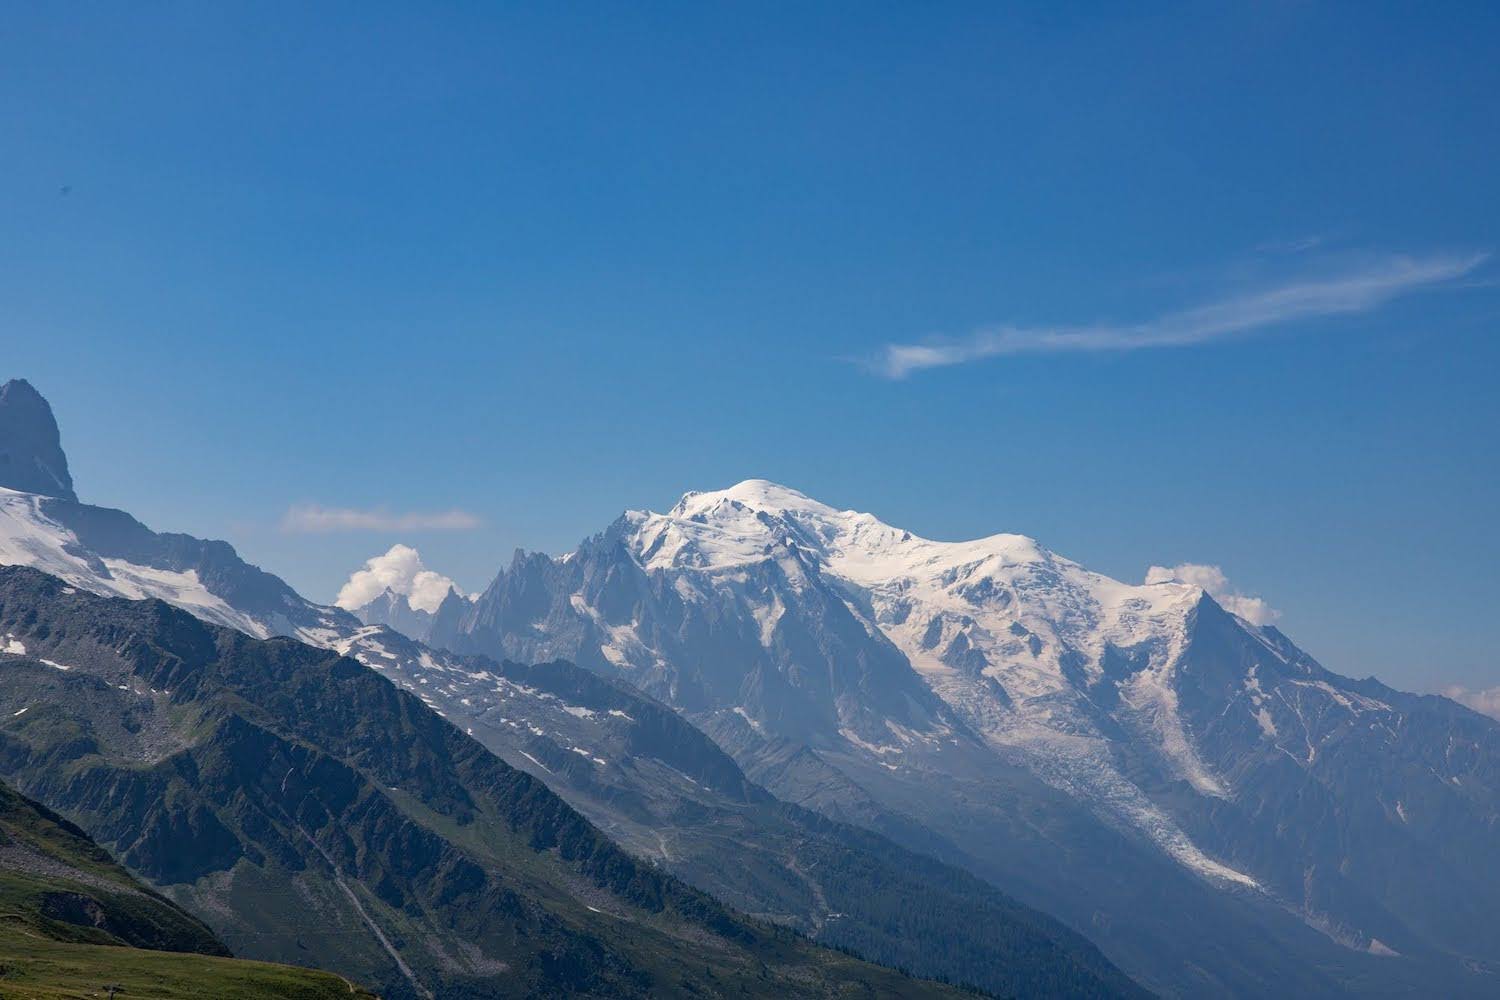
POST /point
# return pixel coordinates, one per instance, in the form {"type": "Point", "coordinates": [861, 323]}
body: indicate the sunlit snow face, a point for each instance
{"type": "Point", "coordinates": [1008, 634]}
{"type": "Point", "coordinates": [28, 537]}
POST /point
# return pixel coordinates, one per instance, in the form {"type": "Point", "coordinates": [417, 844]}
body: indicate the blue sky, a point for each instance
{"type": "Point", "coordinates": [1175, 285]}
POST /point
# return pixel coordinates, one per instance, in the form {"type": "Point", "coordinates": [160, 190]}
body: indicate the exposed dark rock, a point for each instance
{"type": "Point", "coordinates": [31, 455]}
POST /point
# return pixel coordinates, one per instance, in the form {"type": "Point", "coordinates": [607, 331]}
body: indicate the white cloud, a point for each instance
{"type": "Point", "coordinates": [1486, 701]}
{"type": "Point", "coordinates": [1212, 579]}
{"type": "Point", "coordinates": [313, 519]}
{"type": "Point", "coordinates": [400, 571]}
{"type": "Point", "coordinates": [1353, 291]}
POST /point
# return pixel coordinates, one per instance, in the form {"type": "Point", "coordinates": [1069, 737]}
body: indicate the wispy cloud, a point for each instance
{"type": "Point", "coordinates": [1254, 610]}
{"type": "Point", "coordinates": [1486, 701]}
{"type": "Point", "coordinates": [1301, 244]}
{"type": "Point", "coordinates": [1351, 291]}
{"type": "Point", "coordinates": [313, 519]}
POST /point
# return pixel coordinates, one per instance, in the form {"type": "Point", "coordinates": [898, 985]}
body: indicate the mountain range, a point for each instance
{"type": "Point", "coordinates": [314, 813]}
{"type": "Point", "coordinates": [908, 749]}
{"type": "Point", "coordinates": [1085, 743]}
{"type": "Point", "coordinates": [977, 934]}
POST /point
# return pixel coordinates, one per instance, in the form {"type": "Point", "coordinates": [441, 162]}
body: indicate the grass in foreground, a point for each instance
{"type": "Point", "coordinates": [35, 968]}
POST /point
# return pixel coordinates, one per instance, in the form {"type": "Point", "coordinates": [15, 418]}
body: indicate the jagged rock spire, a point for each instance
{"type": "Point", "coordinates": [31, 455]}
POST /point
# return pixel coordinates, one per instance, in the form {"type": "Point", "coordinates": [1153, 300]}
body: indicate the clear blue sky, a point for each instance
{"type": "Point", "coordinates": [1207, 284]}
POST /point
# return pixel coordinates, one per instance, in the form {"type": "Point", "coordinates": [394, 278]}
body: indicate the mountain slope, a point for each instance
{"type": "Point", "coordinates": [661, 788]}
{"type": "Point", "coordinates": [59, 883]}
{"type": "Point", "coordinates": [313, 811]}
{"type": "Point", "coordinates": [870, 673]}
{"type": "Point", "coordinates": [73, 921]}
{"type": "Point", "coordinates": [110, 552]}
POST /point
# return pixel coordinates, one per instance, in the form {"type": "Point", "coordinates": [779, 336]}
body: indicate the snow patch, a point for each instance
{"type": "Point", "coordinates": [740, 711]}
{"type": "Point", "coordinates": [538, 763]}
{"type": "Point", "coordinates": [1267, 725]}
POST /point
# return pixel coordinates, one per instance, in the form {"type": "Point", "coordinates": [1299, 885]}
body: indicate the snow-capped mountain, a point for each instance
{"type": "Point", "coordinates": [834, 629]}
{"type": "Point", "coordinates": [909, 669]}
{"type": "Point", "coordinates": [1216, 811]}
{"type": "Point", "coordinates": [395, 610]}
{"type": "Point", "coordinates": [107, 551]}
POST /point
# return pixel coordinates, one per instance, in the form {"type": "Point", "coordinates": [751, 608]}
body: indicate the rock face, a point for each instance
{"type": "Point", "coordinates": [31, 455]}
{"type": "Point", "coordinates": [394, 610]}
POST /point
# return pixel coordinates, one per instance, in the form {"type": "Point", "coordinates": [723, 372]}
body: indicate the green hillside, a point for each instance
{"type": "Point", "coordinates": [73, 923]}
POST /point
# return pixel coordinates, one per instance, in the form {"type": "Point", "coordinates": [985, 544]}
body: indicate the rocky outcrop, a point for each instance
{"type": "Point", "coordinates": [31, 455]}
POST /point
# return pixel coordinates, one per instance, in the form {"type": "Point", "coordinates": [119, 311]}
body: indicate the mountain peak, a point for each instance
{"type": "Point", "coordinates": [756, 494]}
{"type": "Point", "coordinates": [31, 455]}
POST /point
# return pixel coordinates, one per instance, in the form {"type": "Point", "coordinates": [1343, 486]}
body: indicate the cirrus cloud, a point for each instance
{"type": "Point", "coordinates": [1353, 290]}
{"type": "Point", "coordinates": [315, 519]}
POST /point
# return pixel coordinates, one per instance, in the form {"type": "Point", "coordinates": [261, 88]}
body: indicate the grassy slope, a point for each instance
{"type": "Point", "coordinates": [69, 915]}
{"type": "Point", "coordinates": [36, 968]}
